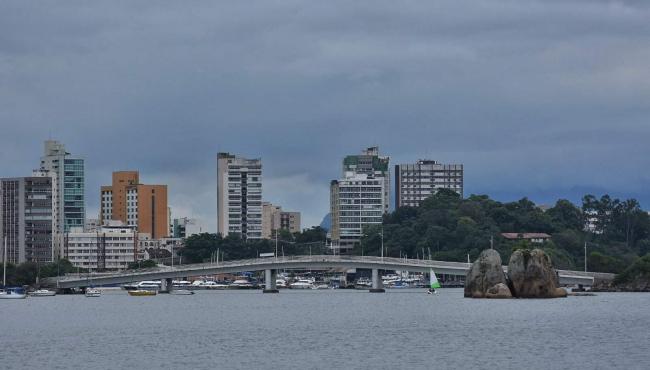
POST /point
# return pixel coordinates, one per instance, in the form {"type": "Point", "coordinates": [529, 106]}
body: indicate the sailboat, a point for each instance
{"type": "Point", "coordinates": [434, 283]}
{"type": "Point", "coordinates": [9, 293]}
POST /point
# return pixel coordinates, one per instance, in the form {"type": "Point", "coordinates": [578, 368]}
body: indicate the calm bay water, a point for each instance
{"type": "Point", "coordinates": [325, 329]}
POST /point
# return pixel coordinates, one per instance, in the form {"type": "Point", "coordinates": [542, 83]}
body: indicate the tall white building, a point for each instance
{"type": "Point", "coordinates": [370, 163]}
{"type": "Point", "coordinates": [418, 181]}
{"type": "Point", "coordinates": [70, 185]}
{"type": "Point", "coordinates": [110, 247]}
{"type": "Point", "coordinates": [356, 201]}
{"type": "Point", "coordinates": [239, 196]}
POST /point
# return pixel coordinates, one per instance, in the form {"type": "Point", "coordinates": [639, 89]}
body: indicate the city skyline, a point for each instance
{"type": "Point", "coordinates": [529, 110]}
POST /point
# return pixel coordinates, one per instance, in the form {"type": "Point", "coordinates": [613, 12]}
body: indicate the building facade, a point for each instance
{"type": "Point", "coordinates": [356, 201]}
{"type": "Point", "coordinates": [418, 181]}
{"type": "Point", "coordinates": [370, 163]}
{"type": "Point", "coordinates": [112, 247]}
{"type": "Point", "coordinates": [185, 227]}
{"type": "Point", "coordinates": [28, 217]}
{"type": "Point", "coordinates": [274, 218]}
{"type": "Point", "coordinates": [239, 196]}
{"type": "Point", "coordinates": [135, 204]}
{"type": "Point", "coordinates": [70, 185]}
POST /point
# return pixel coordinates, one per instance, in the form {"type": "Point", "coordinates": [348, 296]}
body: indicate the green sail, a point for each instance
{"type": "Point", "coordinates": [435, 284]}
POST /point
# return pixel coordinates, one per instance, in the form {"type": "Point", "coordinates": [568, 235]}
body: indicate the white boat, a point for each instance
{"type": "Point", "coordinates": [92, 292]}
{"type": "Point", "coordinates": [208, 285]}
{"type": "Point", "coordinates": [280, 283]}
{"type": "Point", "coordinates": [12, 293]}
{"type": "Point", "coordinates": [320, 286]}
{"type": "Point", "coordinates": [42, 293]}
{"type": "Point", "coordinates": [302, 284]}
{"type": "Point", "coordinates": [363, 283]}
{"type": "Point", "coordinates": [241, 284]}
{"type": "Point", "coordinates": [181, 292]}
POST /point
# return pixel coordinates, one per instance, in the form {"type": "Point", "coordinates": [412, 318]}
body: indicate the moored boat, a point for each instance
{"type": "Point", "coordinates": [92, 292]}
{"type": "Point", "coordinates": [12, 293]}
{"type": "Point", "coordinates": [181, 292]}
{"type": "Point", "coordinates": [42, 293]}
{"type": "Point", "coordinates": [302, 284]}
{"type": "Point", "coordinates": [142, 293]}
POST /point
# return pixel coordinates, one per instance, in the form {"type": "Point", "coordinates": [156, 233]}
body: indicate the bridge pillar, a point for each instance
{"type": "Point", "coordinates": [166, 285]}
{"type": "Point", "coordinates": [377, 286]}
{"type": "Point", "coordinates": [270, 277]}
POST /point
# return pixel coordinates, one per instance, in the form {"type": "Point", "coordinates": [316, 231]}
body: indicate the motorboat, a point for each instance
{"type": "Point", "coordinates": [280, 283]}
{"type": "Point", "coordinates": [363, 283]}
{"type": "Point", "coordinates": [202, 284]}
{"type": "Point", "coordinates": [181, 284]}
{"type": "Point", "coordinates": [320, 286]}
{"type": "Point", "coordinates": [43, 293]}
{"type": "Point", "coordinates": [181, 292]}
{"type": "Point", "coordinates": [302, 284]}
{"type": "Point", "coordinates": [12, 293]}
{"type": "Point", "coordinates": [142, 293]}
{"type": "Point", "coordinates": [144, 285]}
{"type": "Point", "coordinates": [92, 292]}
{"type": "Point", "coordinates": [241, 284]}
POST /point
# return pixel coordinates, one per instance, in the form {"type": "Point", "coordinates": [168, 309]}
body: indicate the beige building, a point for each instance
{"type": "Point", "coordinates": [274, 218]}
{"type": "Point", "coordinates": [135, 204]}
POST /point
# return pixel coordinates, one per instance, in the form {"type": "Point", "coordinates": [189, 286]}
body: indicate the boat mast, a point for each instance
{"type": "Point", "coordinates": [4, 263]}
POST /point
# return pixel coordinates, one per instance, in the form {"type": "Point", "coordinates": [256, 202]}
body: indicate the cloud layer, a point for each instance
{"type": "Point", "coordinates": [544, 99]}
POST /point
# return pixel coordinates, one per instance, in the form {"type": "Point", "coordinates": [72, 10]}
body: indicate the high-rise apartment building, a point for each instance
{"type": "Point", "coordinates": [135, 204]}
{"type": "Point", "coordinates": [239, 196]}
{"type": "Point", "coordinates": [274, 218]}
{"type": "Point", "coordinates": [416, 182]}
{"type": "Point", "coordinates": [70, 179]}
{"type": "Point", "coordinates": [28, 217]}
{"type": "Point", "coordinates": [370, 163]}
{"type": "Point", "coordinates": [356, 201]}
{"type": "Point", "coordinates": [185, 227]}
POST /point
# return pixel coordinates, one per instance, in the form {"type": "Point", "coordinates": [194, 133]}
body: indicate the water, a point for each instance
{"type": "Point", "coordinates": [325, 329]}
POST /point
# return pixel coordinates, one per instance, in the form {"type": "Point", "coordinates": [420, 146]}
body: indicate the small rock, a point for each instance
{"type": "Point", "coordinates": [500, 290]}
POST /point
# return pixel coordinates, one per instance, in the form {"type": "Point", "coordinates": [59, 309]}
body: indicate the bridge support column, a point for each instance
{"type": "Point", "coordinates": [166, 285]}
{"type": "Point", "coordinates": [270, 277]}
{"type": "Point", "coordinates": [377, 286]}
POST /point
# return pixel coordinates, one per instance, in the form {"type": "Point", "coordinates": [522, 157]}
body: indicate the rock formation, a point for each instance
{"type": "Point", "coordinates": [500, 290]}
{"type": "Point", "coordinates": [532, 275]}
{"type": "Point", "coordinates": [485, 273]}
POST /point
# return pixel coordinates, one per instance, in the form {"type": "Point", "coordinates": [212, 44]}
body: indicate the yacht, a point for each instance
{"type": "Point", "coordinates": [42, 293]}
{"type": "Point", "coordinates": [147, 284]}
{"type": "Point", "coordinates": [241, 284]}
{"type": "Point", "coordinates": [202, 284]}
{"type": "Point", "coordinates": [280, 283]}
{"type": "Point", "coordinates": [302, 284]}
{"type": "Point", "coordinates": [320, 286]}
{"type": "Point", "coordinates": [363, 283]}
{"type": "Point", "coordinates": [12, 293]}
{"type": "Point", "coordinates": [92, 292]}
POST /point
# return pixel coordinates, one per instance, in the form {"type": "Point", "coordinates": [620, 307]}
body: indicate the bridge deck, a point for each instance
{"type": "Point", "coordinates": [293, 262]}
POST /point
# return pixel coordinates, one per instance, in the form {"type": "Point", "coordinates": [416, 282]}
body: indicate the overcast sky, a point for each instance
{"type": "Point", "coordinates": [545, 99]}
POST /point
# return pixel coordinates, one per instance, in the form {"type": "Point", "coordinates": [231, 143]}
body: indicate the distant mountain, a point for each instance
{"type": "Point", "coordinates": [327, 222]}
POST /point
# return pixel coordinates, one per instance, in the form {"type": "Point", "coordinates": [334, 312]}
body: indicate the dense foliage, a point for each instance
{"type": "Point", "coordinates": [639, 270]}
{"type": "Point", "coordinates": [448, 227]}
{"type": "Point", "coordinates": [204, 247]}
{"type": "Point", "coordinates": [27, 272]}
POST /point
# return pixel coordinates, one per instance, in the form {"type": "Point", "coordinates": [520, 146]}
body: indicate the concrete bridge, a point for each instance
{"type": "Point", "coordinates": [272, 264]}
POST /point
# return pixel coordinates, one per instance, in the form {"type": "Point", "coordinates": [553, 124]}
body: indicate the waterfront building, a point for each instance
{"type": "Point", "coordinates": [417, 181]}
{"type": "Point", "coordinates": [239, 196]}
{"type": "Point", "coordinates": [111, 247]}
{"type": "Point", "coordinates": [70, 185]}
{"type": "Point", "coordinates": [135, 204]}
{"type": "Point", "coordinates": [274, 218]}
{"type": "Point", "coordinates": [356, 201]}
{"type": "Point", "coordinates": [370, 163]}
{"type": "Point", "coordinates": [28, 217]}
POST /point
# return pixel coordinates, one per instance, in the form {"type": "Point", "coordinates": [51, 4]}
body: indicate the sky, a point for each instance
{"type": "Point", "coordinates": [539, 99]}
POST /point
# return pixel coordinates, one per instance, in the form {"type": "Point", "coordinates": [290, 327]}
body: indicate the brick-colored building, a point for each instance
{"type": "Point", "coordinates": [135, 204]}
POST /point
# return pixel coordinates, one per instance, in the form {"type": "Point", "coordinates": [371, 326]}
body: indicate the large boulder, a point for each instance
{"type": "Point", "coordinates": [532, 275]}
{"type": "Point", "coordinates": [484, 273]}
{"type": "Point", "coordinates": [500, 290]}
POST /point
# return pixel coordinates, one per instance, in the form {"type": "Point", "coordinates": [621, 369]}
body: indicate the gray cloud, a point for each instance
{"type": "Point", "coordinates": [538, 98]}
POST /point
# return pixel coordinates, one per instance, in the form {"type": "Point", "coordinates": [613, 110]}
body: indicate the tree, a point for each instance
{"type": "Point", "coordinates": [564, 215]}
